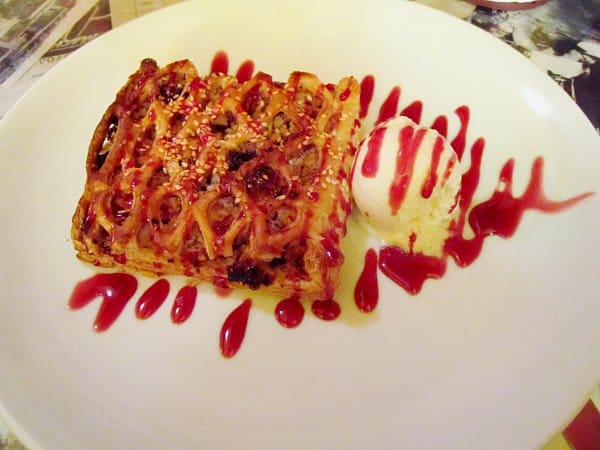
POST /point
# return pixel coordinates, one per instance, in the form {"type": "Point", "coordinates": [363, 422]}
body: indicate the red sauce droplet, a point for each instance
{"type": "Point", "coordinates": [245, 71]}
{"type": "Point", "coordinates": [289, 312]}
{"type": "Point", "coordinates": [413, 111]}
{"type": "Point", "coordinates": [409, 141]}
{"type": "Point", "coordinates": [220, 63]}
{"type": "Point", "coordinates": [184, 303]}
{"type": "Point", "coordinates": [367, 87]}
{"type": "Point", "coordinates": [410, 270]}
{"type": "Point", "coordinates": [222, 291]}
{"type": "Point", "coordinates": [389, 108]}
{"type": "Point", "coordinates": [370, 164]}
{"type": "Point", "coordinates": [326, 309]}
{"type": "Point", "coordinates": [221, 286]}
{"type": "Point", "coordinates": [234, 329]}
{"type": "Point", "coordinates": [366, 292]}
{"type": "Point", "coordinates": [152, 299]}
{"type": "Point", "coordinates": [116, 289]}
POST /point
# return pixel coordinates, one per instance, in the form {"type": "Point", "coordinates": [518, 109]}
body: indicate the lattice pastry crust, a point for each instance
{"type": "Point", "coordinates": [239, 184]}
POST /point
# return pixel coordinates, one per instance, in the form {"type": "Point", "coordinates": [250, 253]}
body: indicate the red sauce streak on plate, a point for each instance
{"type": "Point", "coordinates": [233, 330]}
{"type": "Point", "coordinates": [389, 108]}
{"type": "Point", "coordinates": [501, 214]}
{"type": "Point", "coordinates": [366, 292]}
{"type": "Point", "coordinates": [413, 111]}
{"type": "Point", "coordinates": [184, 303]}
{"type": "Point", "coordinates": [220, 63]}
{"type": "Point", "coordinates": [152, 299]}
{"type": "Point", "coordinates": [116, 289]}
{"type": "Point", "coordinates": [245, 71]}
{"type": "Point", "coordinates": [326, 309]}
{"type": "Point", "coordinates": [440, 124]}
{"type": "Point", "coordinates": [460, 141]}
{"type": "Point", "coordinates": [367, 87]}
{"type": "Point", "coordinates": [410, 270]}
{"type": "Point", "coordinates": [289, 312]}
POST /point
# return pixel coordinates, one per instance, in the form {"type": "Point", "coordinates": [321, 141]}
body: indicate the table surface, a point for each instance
{"type": "Point", "coordinates": [561, 37]}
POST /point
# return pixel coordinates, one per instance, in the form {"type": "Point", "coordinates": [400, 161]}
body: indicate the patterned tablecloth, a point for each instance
{"type": "Point", "coordinates": [561, 37]}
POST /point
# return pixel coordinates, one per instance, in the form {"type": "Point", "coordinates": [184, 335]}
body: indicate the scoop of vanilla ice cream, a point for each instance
{"type": "Point", "coordinates": [405, 184]}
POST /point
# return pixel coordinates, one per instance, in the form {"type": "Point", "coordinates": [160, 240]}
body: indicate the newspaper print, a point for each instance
{"type": "Point", "coordinates": [28, 28]}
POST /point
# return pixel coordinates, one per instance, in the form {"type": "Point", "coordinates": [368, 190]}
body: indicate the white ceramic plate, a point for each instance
{"type": "Point", "coordinates": [499, 355]}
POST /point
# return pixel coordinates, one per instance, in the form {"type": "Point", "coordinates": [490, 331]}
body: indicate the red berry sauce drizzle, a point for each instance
{"type": "Point", "coordinates": [499, 215]}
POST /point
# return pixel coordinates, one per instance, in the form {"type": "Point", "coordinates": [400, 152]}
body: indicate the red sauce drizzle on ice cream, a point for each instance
{"type": "Point", "coordinates": [370, 164]}
{"type": "Point", "coordinates": [410, 141]}
{"type": "Point", "coordinates": [499, 215]}
{"type": "Point", "coordinates": [431, 179]}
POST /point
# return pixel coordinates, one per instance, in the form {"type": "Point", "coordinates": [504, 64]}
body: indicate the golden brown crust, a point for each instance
{"type": "Point", "coordinates": [243, 184]}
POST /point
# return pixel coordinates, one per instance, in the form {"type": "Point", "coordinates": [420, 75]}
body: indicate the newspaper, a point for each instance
{"type": "Point", "coordinates": [29, 28]}
{"type": "Point", "coordinates": [89, 19]}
